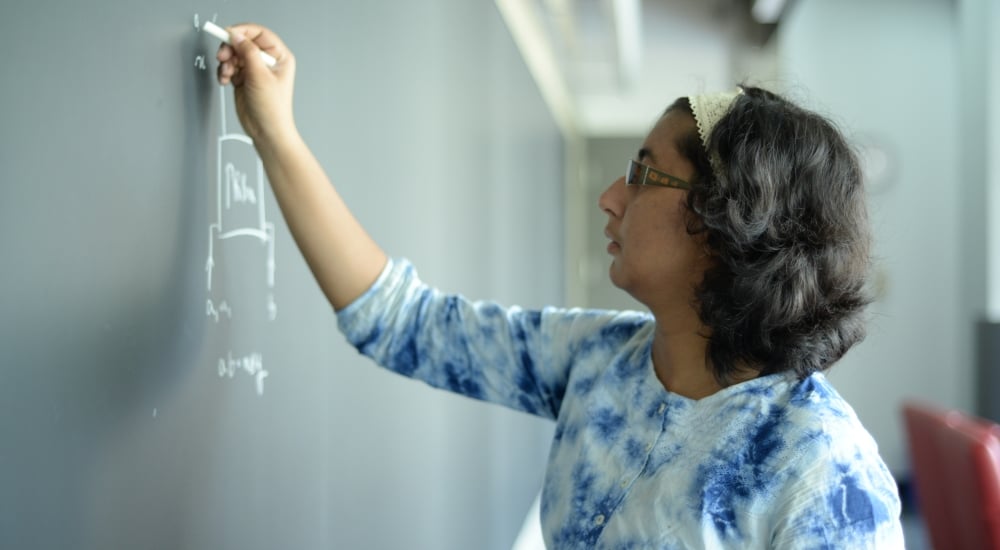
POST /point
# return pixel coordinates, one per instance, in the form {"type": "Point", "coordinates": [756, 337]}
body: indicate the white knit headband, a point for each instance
{"type": "Point", "coordinates": [708, 109]}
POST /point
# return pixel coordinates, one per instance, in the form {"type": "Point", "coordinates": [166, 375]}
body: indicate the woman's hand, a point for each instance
{"type": "Point", "coordinates": [263, 94]}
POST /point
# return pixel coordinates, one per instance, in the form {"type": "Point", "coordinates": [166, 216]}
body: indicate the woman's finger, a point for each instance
{"type": "Point", "coordinates": [224, 53]}
{"type": "Point", "coordinates": [262, 37]}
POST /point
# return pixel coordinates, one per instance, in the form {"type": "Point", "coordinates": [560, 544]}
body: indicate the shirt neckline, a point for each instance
{"type": "Point", "coordinates": [677, 401]}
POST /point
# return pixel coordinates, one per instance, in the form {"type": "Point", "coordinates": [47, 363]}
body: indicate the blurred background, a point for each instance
{"type": "Point", "coordinates": [141, 409]}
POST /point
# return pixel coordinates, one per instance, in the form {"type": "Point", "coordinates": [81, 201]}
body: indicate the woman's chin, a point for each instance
{"type": "Point", "coordinates": [615, 274]}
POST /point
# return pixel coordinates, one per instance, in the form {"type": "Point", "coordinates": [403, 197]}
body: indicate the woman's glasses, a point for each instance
{"type": "Point", "coordinates": [640, 174]}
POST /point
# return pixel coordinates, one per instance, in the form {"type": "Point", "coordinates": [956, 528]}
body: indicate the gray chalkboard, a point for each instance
{"type": "Point", "coordinates": [170, 375]}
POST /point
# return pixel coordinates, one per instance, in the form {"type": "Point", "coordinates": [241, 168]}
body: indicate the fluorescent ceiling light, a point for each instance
{"type": "Point", "coordinates": [533, 42]}
{"type": "Point", "coordinates": [628, 35]}
{"type": "Point", "coordinates": [767, 11]}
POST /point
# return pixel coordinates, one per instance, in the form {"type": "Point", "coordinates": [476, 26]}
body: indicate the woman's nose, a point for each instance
{"type": "Point", "coordinates": [611, 201]}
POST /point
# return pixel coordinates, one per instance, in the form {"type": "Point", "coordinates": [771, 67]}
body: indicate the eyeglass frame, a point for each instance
{"type": "Point", "coordinates": [638, 173]}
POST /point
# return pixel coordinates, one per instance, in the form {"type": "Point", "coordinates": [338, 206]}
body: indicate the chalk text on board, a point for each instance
{"type": "Point", "coordinates": [216, 312]}
{"type": "Point", "coordinates": [237, 189]}
{"type": "Point", "coordinates": [240, 215]}
{"type": "Point", "coordinates": [252, 364]}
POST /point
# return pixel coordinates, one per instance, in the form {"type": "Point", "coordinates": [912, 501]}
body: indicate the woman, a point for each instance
{"type": "Point", "coordinates": [705, 423]}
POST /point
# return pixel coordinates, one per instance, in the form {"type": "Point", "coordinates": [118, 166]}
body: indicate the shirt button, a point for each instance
{"type": "Point", "coordinates": [599, 519]}
{"type": "Point", "coordinates": [624, 483]}
{"type": "Point", "coordinates": [649, 447]}
{"type": "Point", "coordinates": [663, 407]}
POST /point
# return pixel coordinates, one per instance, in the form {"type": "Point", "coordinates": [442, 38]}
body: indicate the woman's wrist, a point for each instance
{"type": "Point", "coordinates": [275, 138]}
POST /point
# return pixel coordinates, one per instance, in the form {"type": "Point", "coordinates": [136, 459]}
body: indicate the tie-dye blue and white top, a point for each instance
{"type": "Point", "coordinates": [774, 462]}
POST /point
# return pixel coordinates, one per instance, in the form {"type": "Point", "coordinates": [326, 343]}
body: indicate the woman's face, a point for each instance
{"type": "Point", "coordinates": [653, 257]}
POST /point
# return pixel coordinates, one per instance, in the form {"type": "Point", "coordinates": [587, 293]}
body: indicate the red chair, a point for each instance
{"type": "Point", "coordinates": [956, 468]}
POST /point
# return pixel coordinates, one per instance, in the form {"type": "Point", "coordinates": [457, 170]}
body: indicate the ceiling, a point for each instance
{"type": "Point", "coordinates": [610, 67]}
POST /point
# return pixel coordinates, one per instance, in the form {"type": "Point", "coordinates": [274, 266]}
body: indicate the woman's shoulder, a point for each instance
{"type": "Point", "coordinates": [815, 403]}
{"type": "Point", "coordinates": [838, 487]}
{"type": "Point", "coordinates": [822, 426]}
{"type": "Point", "coordinates": [798, 419]}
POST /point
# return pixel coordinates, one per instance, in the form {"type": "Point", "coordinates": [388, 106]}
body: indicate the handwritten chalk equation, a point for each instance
{"type": "Point", "coordinates": [216, 312]}
{"type": "Point", "coordinates": [252, 365]}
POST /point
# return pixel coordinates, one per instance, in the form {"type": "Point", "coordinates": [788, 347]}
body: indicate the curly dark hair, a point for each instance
{"type": "Point", "coordinates": [785, 220]}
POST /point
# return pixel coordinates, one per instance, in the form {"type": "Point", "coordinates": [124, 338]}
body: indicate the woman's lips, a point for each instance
{"type": "Point", "coordinates": [613, 246]}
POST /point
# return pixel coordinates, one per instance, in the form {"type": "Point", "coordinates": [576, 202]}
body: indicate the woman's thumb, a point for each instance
{"type": "Point", "coordinates": [247, 50]}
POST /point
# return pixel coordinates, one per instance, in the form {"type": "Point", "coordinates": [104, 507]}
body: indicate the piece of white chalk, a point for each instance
{"type": "Point", "coordinates": [221, 34]}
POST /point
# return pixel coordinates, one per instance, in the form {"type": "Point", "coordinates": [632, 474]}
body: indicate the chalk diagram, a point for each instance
{"type": "Point", "coordinates": [241, 240]}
